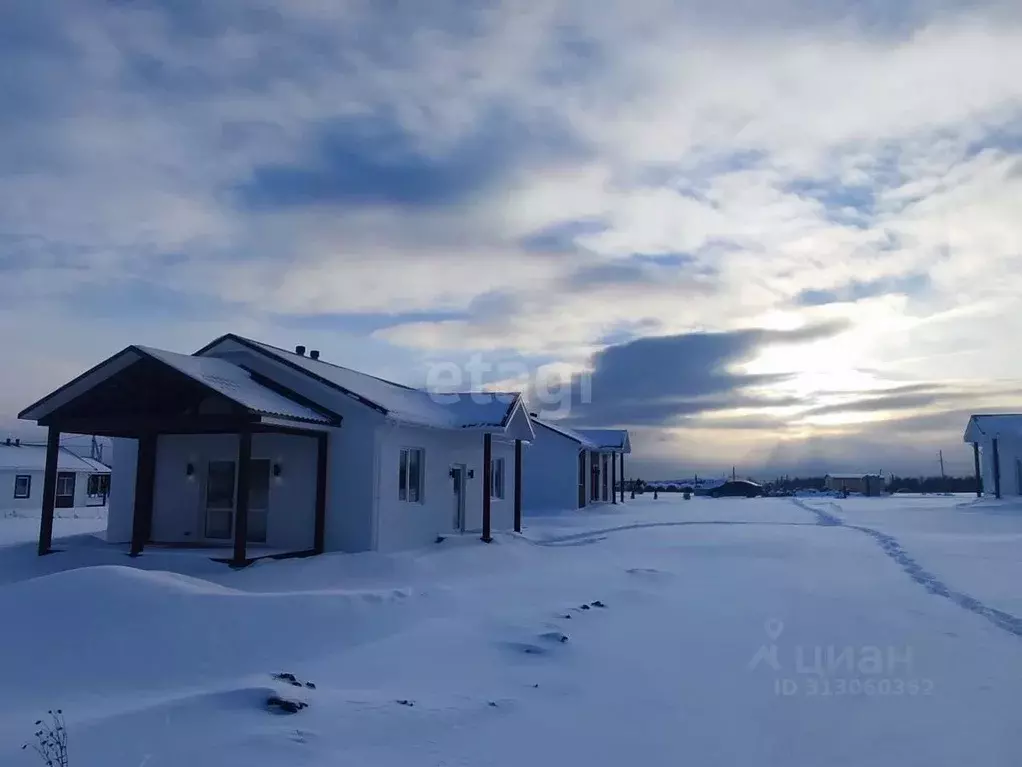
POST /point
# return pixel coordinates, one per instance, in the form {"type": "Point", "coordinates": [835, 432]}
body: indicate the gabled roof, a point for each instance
{"type": "Point", "coordinates": [564, 431]}
{"type": "Point", "coordinates": [236, 384]}
{"type": "Point", "coordinates": [217, 375]}
{"type": "Point", "coordinates": [32, 457]}
{"type": "Point", "coordinates": [983, 427]}
{"type": "Point", "coordinates": [416, 407]}
{"type": "Point", "coordinates": [608, 439]}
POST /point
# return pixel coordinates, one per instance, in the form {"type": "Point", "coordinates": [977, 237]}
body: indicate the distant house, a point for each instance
{"type": "Point", "coordinates": [80, 481]}
{"type": "Point", "coordinates": [863, 484]}
{"type": "Point", "coordinates": [571, 468]}
{"type": "Point", "coordinates": [268, 451]}
{"type": "Point", "coordinates": [997, 452]}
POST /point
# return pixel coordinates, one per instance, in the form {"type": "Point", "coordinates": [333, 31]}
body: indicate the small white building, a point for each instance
{"type": "Point", "coordinates": [571, 468]}
{"type": "Point", "coordinates": [80, 481]}
{"type": "Point", "coordinates": [997, 453]}
{"type": "Point", "coordinates": [247, 445]}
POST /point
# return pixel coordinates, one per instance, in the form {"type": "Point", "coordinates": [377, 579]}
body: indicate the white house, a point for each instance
{"type": "Point", "coordinates": [997, 453]}
{"type": "Point", "coordinates": [80, 481]}
{"type": "Point", "coordinates": [249, 445]}
{"type": "Point", "coordinates": [571, 468]}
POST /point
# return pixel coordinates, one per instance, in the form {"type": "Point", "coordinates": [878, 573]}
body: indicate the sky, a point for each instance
{"type": "Point", "coordinates": [774, 234]}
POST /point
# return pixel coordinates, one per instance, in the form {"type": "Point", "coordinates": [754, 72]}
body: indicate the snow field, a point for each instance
{"type": "Point", "coordinates": [453, 654]}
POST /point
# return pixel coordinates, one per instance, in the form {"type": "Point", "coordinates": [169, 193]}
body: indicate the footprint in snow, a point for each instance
{"type": "Point", "coordinates": [554, 636]}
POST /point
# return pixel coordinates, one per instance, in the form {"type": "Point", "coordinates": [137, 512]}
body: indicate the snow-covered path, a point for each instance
{"type": "Point", "coordinates": [718, 617]}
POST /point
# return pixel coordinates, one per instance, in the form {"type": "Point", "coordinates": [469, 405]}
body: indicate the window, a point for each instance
{"type": "Point", "coordinates": [99, 484]}
{"type": "Point", "coordinates": [410, 475]}
{"type": "Point", "coordinates": [23, 486]}
{"type": "Point", "coordinates": [497, 478]}
{"type": "Point", "coordinates": [66, 483]}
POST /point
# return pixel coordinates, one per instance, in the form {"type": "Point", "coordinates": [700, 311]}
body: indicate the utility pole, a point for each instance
{"type": "Point", "coordinates": [943, 479]}
{"type": "Point", "coordinates": [732, 473]}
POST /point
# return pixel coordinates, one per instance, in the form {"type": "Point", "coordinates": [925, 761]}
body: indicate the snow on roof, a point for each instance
{"type": "Point", "coordinates": [463, 410]}
{"type": "Point", "coordinates": [993, 426]}
{"type": "Point", "coordinates": [608, 439]}
{"type": "Point", "coordinates": [32, 457]}
{"type": "Point", "coordinates": [236, 384]}
{"type": "Point", "coordinates": [564, 431]}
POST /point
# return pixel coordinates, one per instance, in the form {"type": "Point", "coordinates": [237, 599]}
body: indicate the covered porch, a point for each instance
{"type": "Point", "coordinates": [224, 460]}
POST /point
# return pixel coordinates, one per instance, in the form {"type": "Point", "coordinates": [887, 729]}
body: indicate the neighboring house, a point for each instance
{"type": "Point", "coordinates": [571, 468]}
{"type": "Point", "coordinates": [864, 483]}
{"type": "Point", "coordinates": [80, 481]}
{"type": "Point", "coordinates": [246, 444]}
{"type": "Point", "coordinates": [997, 453]}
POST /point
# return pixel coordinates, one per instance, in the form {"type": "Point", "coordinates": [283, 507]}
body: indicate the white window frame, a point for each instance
{"type": "Point", "coordinates": [28, 486]}
{"type": "Point", "coordinates": [498, 479]}
{"type": "Point", "coordinates": [404, 475]}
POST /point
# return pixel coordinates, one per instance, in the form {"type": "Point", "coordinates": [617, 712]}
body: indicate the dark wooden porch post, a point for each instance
{"type": "Point", "coordinates": [997, 471]}
{"type": "Point", "coordinates": [518, 486]}
{"type": "Point", "coordinates": [319, 535]}
{"type": "Point", "coordinates": [241, 508]}
{"type": "Point", "coordinates": [622, 477]}
{"type": "Point", "coordinates": [487, 481]}
{"type": "Point", "coordinates": [613, 479]}
{"type": "Point", "coordinates": [145, 480]}
{"type": "Point", "coordinates": [979, 476]}
{"type": "Point", "coordinates": [49, 490]}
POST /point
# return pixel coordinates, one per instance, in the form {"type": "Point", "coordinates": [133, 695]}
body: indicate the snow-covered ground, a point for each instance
{"type": "Point", "coordinates": [716, 617]}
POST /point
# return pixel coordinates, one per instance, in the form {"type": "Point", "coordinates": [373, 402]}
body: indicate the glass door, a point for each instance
{"type": "Point", "coordinates": [220, 477]}
{"type": "Point", "coordinates": [221, 497]}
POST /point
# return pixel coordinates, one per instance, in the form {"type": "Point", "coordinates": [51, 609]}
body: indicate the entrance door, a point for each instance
{"type": "Point", "coordinates": [594, 480]}
{"type": "Point", "coordinates": [221, 497]}
{"type": "Point", "coordinates": [220, 479]}
{"type": "Point", "coordinates": [458, 488]}
{"type": "Point", "coordinates": [65, 490]}
{"type": "Point", "coordinates": [581, 479]}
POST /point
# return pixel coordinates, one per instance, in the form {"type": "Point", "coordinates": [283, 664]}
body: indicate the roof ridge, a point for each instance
{"type": "Point", "coordinates": [322, 361]}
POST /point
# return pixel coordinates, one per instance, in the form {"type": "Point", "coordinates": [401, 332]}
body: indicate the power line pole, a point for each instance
{"type": "Point", "coordinates": [943, 479]}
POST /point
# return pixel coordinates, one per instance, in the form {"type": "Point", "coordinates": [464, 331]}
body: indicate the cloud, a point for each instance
{"type": "Point", "coordinates": [657, 380]}
{"type": "Point", "coordinates": [536, 179]}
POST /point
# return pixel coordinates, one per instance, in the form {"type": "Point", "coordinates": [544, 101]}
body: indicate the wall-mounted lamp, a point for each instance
{"type": "Point", "coordinates": [189, 469]}
{"type": "Point", "coordinates": [471, 474]}
{"type": "Point", "coordinates": [277, 469]}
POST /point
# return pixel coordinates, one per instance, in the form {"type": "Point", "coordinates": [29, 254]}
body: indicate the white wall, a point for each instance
{"type": "Point", "coordinates": [402, 524]}
{"type": "Point", "coordinates": [7, 500]}
{"type": "Point", "coordinates": [179, 500]}
{"type": "Point", "coordinates": [121, 503]}
{"type": "Point", "coordinates": [34, 503]}
{"type": "Point", "coordinates": [351, 480]}
{"type": "Point", "coordinates": [1009, 451]}
{"type": "Point", "coordinates": [550, 472]}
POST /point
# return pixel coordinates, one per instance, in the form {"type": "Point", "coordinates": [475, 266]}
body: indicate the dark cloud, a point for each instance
{"type": "Point", "coordinates": [656, 381]}
{"type": "Point", "coordinates": [373, 161]}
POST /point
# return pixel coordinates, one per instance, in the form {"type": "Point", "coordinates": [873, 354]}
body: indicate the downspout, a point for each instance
{"type": "Point", "coordinates": [979, 476]}
{"type": "Point", "coordinates": [997, 470]}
